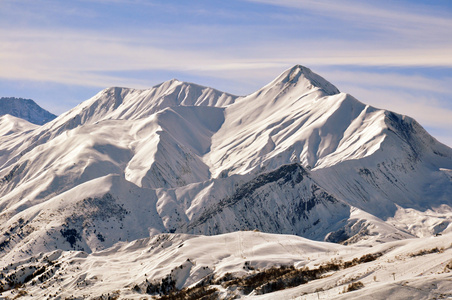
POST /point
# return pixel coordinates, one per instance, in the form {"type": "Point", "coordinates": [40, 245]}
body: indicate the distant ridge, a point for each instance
{"type": "Point", "coordinates": [25, 109]}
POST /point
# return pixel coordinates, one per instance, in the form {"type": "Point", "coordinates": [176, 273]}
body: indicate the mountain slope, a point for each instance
{"type": "Point", "coordinates": [131, 104]}
{"type": "Point", "coordinates": [25, 109]}
{"type": "Point", "coordinates": [10, 125]}
{"type": "Point", "coordinates": [251, 265]}
{"type": "Point", "coordinates": [296, 157]}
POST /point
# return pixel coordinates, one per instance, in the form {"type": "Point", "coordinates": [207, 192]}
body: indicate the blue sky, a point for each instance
{"type": "Point", "coordinates": [390, 54]}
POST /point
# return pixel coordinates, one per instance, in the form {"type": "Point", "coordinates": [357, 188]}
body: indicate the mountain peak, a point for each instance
{"type": "Point", "coordinates": [25, 109]}
{"type": "Point", "coordinates": [299, 73]}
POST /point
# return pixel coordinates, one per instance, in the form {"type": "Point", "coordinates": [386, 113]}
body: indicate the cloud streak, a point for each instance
{"type": "Point", "coordinates": [75, 57]}
{"type": "Point", "coordinates": [385, 15]}
{"type": "Point", "coordinates": [80, 56]}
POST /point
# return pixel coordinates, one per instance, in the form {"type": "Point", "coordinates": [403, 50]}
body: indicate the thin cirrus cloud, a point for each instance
{"type": "Point", "coordinates": [388, 34]}
{"type": "Point", "coordinates": [388, 14]}
{"type": "Point", "coordinates": [49, 53]}
{"type": "Point", "coordinates": [74, 57]}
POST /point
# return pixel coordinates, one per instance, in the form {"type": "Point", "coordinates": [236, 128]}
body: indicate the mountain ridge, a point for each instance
{"type": "Point", "coordinates": [25, 109]}
{"type": "Point", "coordinates": [218, 189]}
{"type": "Point", "coordinates": [191, 148]}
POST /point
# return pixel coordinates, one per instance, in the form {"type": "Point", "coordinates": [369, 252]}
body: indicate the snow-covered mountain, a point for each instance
{"type": "Point", "coordinates": [25, 109]}
{"type": "Point", "coordinates": [296, 157]}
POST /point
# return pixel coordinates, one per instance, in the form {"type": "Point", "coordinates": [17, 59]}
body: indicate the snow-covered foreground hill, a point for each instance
{"type": "Point", "coordinates": [296, 158]}
{"type": "Point", "coordinates": [244, 264]}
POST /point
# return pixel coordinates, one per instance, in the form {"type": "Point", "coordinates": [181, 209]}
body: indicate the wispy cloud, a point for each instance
{"type": "Point", "coordinates": [78, 57]}
{"type": "Point", "coordinates": [384, 14]}
{"type": "Point", "coordinates": [383, 25]}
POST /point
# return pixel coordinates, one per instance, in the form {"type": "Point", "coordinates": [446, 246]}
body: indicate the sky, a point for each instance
{"type": "Point", "coordinates": [395, 55]}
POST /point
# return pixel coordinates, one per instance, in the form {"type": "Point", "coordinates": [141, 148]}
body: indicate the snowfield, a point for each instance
{"type": "Point", "coordinates": [294, 191]}
{"type": "Point", "coordinates": [418, 268]}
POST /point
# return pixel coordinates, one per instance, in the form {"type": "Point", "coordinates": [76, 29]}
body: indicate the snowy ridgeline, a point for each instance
{"type": "Point", "coordinates": [296, 157]}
